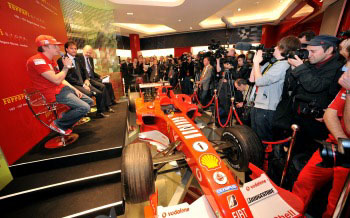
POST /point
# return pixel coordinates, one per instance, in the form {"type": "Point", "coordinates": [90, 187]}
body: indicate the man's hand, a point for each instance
{"type": "Point", "coordinates": [258, 57]}
{"type": "Point", "coordinates": [67, 62]}
{"type": "Point", "coordinates": [295, 62]}
{"type": "Point", "coordinates": [87, 83]}
{"type": "Point", "coordinates": [78, 93]}
{"type": "Point", "coordinates": [86, 87]}
{"type": "Point", "coordinates": [344, 80]}
{"type": "Point", "coordinates": [239, 104]}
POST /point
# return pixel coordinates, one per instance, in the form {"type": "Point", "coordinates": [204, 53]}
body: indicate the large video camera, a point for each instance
{"type": "Point", "coordinates": [220, 51]}
{"type": "Point", "coordinates": [267, 55]}
{"type": "Point", "coordinates": [336, 155]}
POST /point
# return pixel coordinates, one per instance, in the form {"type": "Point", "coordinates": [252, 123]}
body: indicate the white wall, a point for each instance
{"type": "Point", "coordinates": [158, 52]}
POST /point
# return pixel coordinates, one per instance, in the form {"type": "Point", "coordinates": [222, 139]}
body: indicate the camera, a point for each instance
{"type": "Point", "coordinates": [333, 155]}
{"type": "Point", "coordinates": [301, 53]}
{"type": "Point", "coordinates": [310, 107]}
{"type": "Point", "coordinates": [267, 55]}
{"type": "Point", "coordinates": [219, 50]}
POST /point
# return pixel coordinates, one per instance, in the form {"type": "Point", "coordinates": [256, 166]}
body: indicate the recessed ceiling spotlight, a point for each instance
{"type": "Point", "coordinates": [79, 12]}
{"type": "Point", "coordinates": [239, 9]}
{"type": "Point", "coordinates": [281, 1]}
{"type": "Point", "coordinates": [130, 13]}
{"type": "Point", "coordinates": [179, 20]}
{"type": "Point", "coordinates": [257, 3]}
{"type": "Point", "coordinates": [191, 28]}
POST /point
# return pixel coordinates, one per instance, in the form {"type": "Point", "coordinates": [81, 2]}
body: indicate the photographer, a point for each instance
{"type": "Point", "coordinates": [242, 69]}
{"type": "Point", "coordinates": [269, 81]}
{"type": "Point", "coordinates": [244, 105]}
{"type": "Point", "coordinates": [188, 74]}
{"type": "Point", "coordinates": [337, 118]}
{"type": "Point", "coordinates": [225, 90]}
{"type": "Point", "coordinates": [314, 85]}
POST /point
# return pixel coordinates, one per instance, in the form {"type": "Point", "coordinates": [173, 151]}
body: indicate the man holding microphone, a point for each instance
{"type": "Point", "coordinates": [47, 78]}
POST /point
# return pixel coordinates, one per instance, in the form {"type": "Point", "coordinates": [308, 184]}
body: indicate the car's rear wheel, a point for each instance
{"type": "Point", "coordinates": [132, 100]}
{"type": "Point", "coordinates": [245, 147]}
{"type": "Point", "coordinates": [137, 173]}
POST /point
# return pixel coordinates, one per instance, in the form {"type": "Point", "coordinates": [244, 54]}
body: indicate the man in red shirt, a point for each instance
{"type": "Point", "coordinates": [337, 119]}
{"type": "Point", "coordinates": [47, 78]}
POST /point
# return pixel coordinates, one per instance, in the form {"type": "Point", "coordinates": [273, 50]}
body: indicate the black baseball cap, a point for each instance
{"type": "Point", "coordinates": [324, 40]}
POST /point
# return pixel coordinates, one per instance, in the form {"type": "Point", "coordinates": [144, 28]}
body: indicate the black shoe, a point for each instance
{"type": "Point", "coordinates": [110, 110]}
{"type": "Point", "coordinates": [101, 115]}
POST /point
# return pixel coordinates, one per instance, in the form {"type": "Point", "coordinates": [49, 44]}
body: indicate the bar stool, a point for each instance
{"type": "Point", "coordinates": [42, 110]}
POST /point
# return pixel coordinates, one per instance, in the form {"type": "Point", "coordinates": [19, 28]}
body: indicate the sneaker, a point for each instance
{"type": "Point", "coordinates": [59, 130]}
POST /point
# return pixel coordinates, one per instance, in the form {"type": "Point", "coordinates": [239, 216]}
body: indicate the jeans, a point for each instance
{"type": "Point", "coordinates": [78, 107]}
{"type": "Point", "coordinates": [261, 123]}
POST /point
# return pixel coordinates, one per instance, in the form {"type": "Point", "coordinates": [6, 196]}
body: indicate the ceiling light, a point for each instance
{"type": "Point", "coordinates": [79, 12]}
{"type": "Point", "coordinates": [146, 28]}
{"type": "Point", "coordinates": [281, 1]}
{"type": "Point", "coordinates": [179, 20]}
{"type": "Point", "coordinates": [257, 3]}
{"type": "Point", "coordinates": [191, 28]}
{"type": "Point", "coordinates": [239, 9]}
{"type": "Point", "coordinates": [130, 13]}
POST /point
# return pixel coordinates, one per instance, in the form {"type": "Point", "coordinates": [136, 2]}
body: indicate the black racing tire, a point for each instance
{"type": "Point", "coordinates": [132, 99]}
{"type": "Point", "coordinates": [246, 147]}
{"type": "Point", "coordinates": [138, 179]}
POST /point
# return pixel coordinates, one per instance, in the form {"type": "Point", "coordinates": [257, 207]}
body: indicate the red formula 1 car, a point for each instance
{"type": "Point", "coordinates": [167, 120]}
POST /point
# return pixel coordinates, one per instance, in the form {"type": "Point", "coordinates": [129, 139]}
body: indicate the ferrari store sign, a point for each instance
{"type": "Point", "coordinates": [5, 174]}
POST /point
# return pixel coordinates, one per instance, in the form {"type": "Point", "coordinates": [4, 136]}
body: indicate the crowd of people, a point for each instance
{"type": "Point", "coordinates": [269, 94]}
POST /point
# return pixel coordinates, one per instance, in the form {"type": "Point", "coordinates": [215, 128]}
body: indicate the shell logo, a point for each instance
{"type": "Point", "coordinates": [210, 161]}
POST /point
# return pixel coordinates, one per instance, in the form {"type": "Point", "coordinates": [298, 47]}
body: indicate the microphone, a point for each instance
{"type": "Point", "coordinates": [228, 24]}
{"type": "Point", "coordinates": [62, 54]}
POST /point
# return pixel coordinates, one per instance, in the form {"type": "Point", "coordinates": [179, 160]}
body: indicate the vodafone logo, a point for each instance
{"type": "Point", "coordinates": [176, 212]}
{"type": "Point", "coordinates": [258, 183]}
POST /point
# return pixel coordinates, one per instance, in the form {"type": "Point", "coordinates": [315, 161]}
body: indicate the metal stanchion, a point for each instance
{"type": "Point", "coordinates": [211, 123]}
{"type": "Point", "coordinates": [233, 108]}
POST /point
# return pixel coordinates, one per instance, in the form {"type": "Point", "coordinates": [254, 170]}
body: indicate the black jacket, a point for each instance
{"type": "Point", "coordinates": [76, 75]}
{"type": "Point", "coordinates": [318, 84]}
{"type": "Point", "coordinates": [81, 59]}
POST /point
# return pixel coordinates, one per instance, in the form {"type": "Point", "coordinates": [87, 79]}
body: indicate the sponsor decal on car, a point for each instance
{"type": "Point", "coordinates": [186, 128]}
{"type": "Point", "coordinates": [200, 146]}
{"type": "Point", "coordinates": [248, 188]}
{"type": "Point", "coordinates": [176, 212]}
{"type": "Point", "coordinates": [288, 214]}
{"type": "Point", "coordinates": [210, 161]}
{"type": "Point", "coordinates": [226, 189]}
{"type": "Point", "coordinates": [199, 175]}
{"type": "Point", "coordinates": [239, 213]}
{"type": "Point", "coordinates": [220, 178]}
{"type": "Point", "coordinates": [260, 196]}
{"type": "Point", "coordinates": [232, 202]}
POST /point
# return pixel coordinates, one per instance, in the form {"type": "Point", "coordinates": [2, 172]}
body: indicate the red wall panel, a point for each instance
{"type": "Point", "coordinates": [134, 45]}
{"type": "Point", "coordinates": [20, 23]}
{"type": "Point", "coordinates": [179, 51]}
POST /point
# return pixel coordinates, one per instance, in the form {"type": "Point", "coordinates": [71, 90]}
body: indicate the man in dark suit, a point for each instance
{"type": "Point", "coordinates": [80, 79]}
{"type": "Point", "coordinates": [87, 64]}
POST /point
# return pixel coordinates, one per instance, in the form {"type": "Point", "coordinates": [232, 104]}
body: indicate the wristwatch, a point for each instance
{"type": "Point", "coordinates": [347, 91]}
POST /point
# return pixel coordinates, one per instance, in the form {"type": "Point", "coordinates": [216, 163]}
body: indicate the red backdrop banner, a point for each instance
{"type": "Point", "coordinates": [20, 23]}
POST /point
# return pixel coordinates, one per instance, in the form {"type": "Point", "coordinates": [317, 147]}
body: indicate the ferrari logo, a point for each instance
{"type": "Point", "coordinates": [210, 161]}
